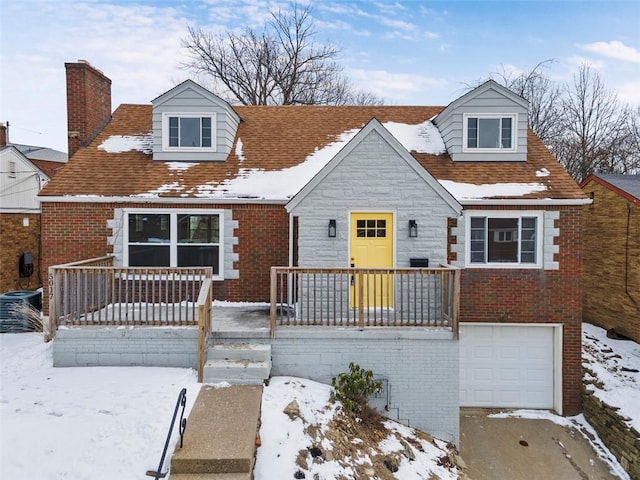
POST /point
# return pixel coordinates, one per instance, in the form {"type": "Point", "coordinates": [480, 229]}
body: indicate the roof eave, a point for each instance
{"type": "Point", "coordinates": [160, 200]}
{"type": "Point", "coordinates": [527, 201]}
{"type": "Point", "coordinates": [601, 181]}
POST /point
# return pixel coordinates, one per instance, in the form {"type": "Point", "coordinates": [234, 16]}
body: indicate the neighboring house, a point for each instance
{"type": "Point", "coordinates": [611, 232]}
{"type": "Point", "coordinates": [468, 185]}
{"type": "Point", "coordinates": [24, 169]}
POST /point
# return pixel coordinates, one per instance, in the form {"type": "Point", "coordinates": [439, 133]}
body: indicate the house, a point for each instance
{"type": "Point", "coordinates": [611, 297]}
{"type": "Point", "coordinates": [368, 202]}
{"type": "Point", "coordinates": [24, 170]}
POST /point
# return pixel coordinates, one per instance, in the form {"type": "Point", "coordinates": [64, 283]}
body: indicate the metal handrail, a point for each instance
{"type": "Point", "coordinates": [182, 401]}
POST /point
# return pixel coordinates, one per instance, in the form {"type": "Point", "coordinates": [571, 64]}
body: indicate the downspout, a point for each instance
{"type": "Point", "coordinates": [626, 257]}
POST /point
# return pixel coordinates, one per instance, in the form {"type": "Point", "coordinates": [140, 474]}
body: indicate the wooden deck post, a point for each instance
{"type": "Point", "coordinates": [273, 298]}
{"type": "Point", "coordinates": [455, 304]}
{"type": "Point", "coordinates": [360, 299]}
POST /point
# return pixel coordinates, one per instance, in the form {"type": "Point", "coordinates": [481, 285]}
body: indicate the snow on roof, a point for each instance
{"type": "Point", "coordinates": [469, 191]}
{"type": "Point", "coordinates": [276, 184]}
{"type": "Point", "coordinates": [168, 187]}
{"type": "Point", "coordinates": [180, 166]}
{"type": "Point", "coordinates": [124, 143]}
{"type": "Point", "coordinates": [543, 172]}
{"type": "Point", "coordinates": [421, 138]}
{"type": "Point", "coordinates": [284, 184]}
{"type": "Point", "coordinates": [239, 152]}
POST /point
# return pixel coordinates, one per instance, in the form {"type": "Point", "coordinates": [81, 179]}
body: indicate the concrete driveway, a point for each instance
{"type": "Point", "coordinates": [524, 449]}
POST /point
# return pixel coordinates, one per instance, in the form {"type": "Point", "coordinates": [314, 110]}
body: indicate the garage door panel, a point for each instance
{"type": "Point", "coordinates": [506, 366]}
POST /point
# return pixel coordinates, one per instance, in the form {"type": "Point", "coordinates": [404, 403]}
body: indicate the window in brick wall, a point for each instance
{"type": "Point", "coordinates": [174, 238]}
{"type": "Point", "coordinates": [504, 239]}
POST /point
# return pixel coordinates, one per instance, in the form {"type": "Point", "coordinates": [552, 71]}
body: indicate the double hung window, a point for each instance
{"type": "Point", "coordinates": [504, 239]}
{"type": "Point", "coordinates": [190, 132]}
{"type": "Point", "coordinates": [174, 239]}
{"type": "Point", "coordinates": [489, 132]}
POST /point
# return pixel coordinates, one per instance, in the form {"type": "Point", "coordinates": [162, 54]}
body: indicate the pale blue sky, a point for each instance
{"type": "Point", "coordinates": [409, 52]}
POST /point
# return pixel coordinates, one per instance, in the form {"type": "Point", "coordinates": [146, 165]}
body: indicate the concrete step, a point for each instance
{"type": "Point", "coordinates": [211, 476]}
{"type": "Point", "coordinates": [221, 434]}
{"type": "Point", "coordinates": [260, 352]}
{"type": "Point", "coordinates": [236, 371]}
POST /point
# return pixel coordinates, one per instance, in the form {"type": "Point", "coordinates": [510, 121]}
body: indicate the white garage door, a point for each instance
{"type": "Point", "coordinates": [506, 366]}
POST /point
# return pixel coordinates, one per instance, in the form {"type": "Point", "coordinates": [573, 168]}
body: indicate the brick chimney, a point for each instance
{"type": "Point", "coordinates": [88, 104]}
{"type": "Point", "coordinates": [3, 135]}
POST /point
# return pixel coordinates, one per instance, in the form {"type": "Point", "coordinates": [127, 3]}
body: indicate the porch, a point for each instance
{"type": "Point", "coordinates": [94, 294]}
{"type": "Point", "coordinates": [401, 323]}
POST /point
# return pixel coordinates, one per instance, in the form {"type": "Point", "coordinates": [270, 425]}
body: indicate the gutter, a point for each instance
{"type": "Point", "coordinates": [537, 201]}
{"type": "Point", "coordinates": [160, 200]}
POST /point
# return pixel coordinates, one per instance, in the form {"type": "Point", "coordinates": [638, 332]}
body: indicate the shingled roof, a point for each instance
{"type": "Point", "coordinates": [273, 139]}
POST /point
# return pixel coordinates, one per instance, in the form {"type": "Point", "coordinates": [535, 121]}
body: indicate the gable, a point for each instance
{"type": "Point", "coordinates": [490, 102]}
{"type": "Point", "coordinates": [189, 102]}
{"type": "Point", "coordinates": [627, 186]}
{"type": "Point", "coordinates": [372, 168]}
{"type": "Point", "coordinates": [20, 181]}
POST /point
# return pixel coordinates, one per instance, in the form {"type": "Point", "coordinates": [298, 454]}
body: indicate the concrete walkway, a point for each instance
{"type": "Point", "coordinates": [523, 449]}
{"type": "Point", "coordinates": [220, 439]}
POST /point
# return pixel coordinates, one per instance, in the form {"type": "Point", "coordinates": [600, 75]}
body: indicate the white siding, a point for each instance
{"type": "Point", "coordinates": [19, 194]}
{"type": "Point", "coordinates": [487, 99]}
{"type": "Point", "coordinates": [189, 99]}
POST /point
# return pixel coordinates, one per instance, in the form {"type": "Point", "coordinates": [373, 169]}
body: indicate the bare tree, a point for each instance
{"type": "Point", "coordinates": [595, 125]}
{"type": "Point", "coordinates": [543, 95]}
{"type": "Point", "coordinates": [280, 65]}
{"type": "Point", "coordinates": [582, 123]}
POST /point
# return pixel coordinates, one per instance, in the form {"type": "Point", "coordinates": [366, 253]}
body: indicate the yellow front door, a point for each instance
{"type": "Point", "coordinates": [372, 247]}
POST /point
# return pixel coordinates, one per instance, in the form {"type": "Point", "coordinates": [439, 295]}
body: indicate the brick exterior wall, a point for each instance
{"type": "Point", "coordinates": [537, 296]}
{"type": "Point", "coordinates": [612, 262]}
{"type": "Point", "coordinates": [78, 231]}
{"type": "Point", "coordinates": [88, 104]}
{"type": "Point", "coordinates": [15, 239]}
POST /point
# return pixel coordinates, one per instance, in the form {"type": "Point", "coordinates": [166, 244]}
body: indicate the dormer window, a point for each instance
{"type": "Point", "coordinates": [489, 132]}
{"type": "Point", "coordinates": [188, 131]}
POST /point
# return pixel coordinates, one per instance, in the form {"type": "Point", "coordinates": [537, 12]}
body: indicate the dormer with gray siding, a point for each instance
{"type": "Point", "coordinates": [192, 124]}
{"type": "Point", "coordinates": [488, 124]}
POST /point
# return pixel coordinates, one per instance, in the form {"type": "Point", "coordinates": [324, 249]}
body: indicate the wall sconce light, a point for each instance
{"type": "Point", "coordinates": [413, 229]}
{"type": "Point", "coordinates": [332, 228]}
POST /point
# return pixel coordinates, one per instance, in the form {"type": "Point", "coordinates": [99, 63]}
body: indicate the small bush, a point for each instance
{"type": "Point", "coordinates": [354, 388]}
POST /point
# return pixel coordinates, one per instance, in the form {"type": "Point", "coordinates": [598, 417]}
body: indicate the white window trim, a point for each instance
{"type": "Point", "coordinates": [506, 214]}
{"type": "Point", "coordinates": [165, 131]}
{"type": "Point", "coordinates": [173, 240]}
{"type": "Point", "coordinates": [514, 132]}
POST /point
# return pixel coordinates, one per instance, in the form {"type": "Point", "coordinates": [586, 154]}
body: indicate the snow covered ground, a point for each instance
{"type": "Point", "coordinates": [616, 366]}
{"type": "Point", "coordinates": [111, 423]}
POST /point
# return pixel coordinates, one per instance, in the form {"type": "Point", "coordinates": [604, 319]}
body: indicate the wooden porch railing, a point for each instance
{"type": "Point", "coordinates": [360, 297]}
{"type": "Point", "coordinates": [94, 292]}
